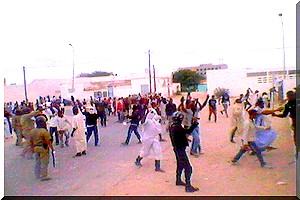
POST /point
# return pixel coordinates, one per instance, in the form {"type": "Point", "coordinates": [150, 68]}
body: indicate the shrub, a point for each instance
{"type": "Point", "coordinates": [218, 92]}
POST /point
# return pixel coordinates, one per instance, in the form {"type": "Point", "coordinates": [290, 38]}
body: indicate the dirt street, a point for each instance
{"type": "Point", "coordinates": [109, 169]}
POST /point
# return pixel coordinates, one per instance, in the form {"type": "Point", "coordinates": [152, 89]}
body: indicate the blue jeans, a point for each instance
{"type": "Point", "coordinates": [103, 119]}
{"type": "Point", "coordinates": [120, 116]}
{"type": "Point", "coordinates": [90, 130]}
{"type": "Point", "coordinates": [196, 141]}
{"type": "Point", "coordinates": [255, 149]}
{"type": "Point", "coordinates": [132, 127]}
{"type": "Point", "coordinates": [225, 106]}
{"type": "Point", "coordinates": [54, 130]}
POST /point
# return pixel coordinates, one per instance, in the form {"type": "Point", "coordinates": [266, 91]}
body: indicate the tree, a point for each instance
{"type": "Point", "coordinates": [189, 79]}
{"type": "Point", "coordinates": [95, 74]}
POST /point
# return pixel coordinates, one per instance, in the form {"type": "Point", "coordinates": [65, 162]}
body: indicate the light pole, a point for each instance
{"type": "Point", "coordinates": [73, 69]}
{"type": "Point", "coordinates": [283, 48]}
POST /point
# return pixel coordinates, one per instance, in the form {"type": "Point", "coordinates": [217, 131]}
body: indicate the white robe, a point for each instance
{"type": "Point", "coordinates": [6, 129]}
{"type": "Point", "coordinates": [238, 118]}
{"type": "Point", "coordinates": [163, 111]}
{"type": "Point", "coordinates": [150, 137]}
{"type": "Point", "coordinates": [79, 134]}
{"type": "Point", "coordinates": [253, 99]}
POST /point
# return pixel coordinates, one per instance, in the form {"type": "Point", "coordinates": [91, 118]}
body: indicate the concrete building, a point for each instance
{"type": "Point", "coordinates": [107, 86]}
{"type": "Point", "coordinates": [238, 80]}
{"type": "Point", "coordinates": [115, 86]}
{"type": "Point", "coordinates": [203, 68]}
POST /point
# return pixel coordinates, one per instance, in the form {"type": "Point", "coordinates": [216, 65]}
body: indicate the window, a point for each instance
{"type": "Point", "coordinates": [270, 79]}
{"type": "Point", "coordinates": [98, 94]}
{"type": "Point", "coordinates": [105, 94]}
{"type": "Point", "coordinates": [262, 79]}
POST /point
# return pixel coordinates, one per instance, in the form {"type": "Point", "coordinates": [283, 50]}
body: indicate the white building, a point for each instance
{"type": "Point", "coordinates": [115, 86]}
{"type": "Point", "coordinates": [106, 86]}
{"type": "Point", "coordinates": [203, 68]}
{"type": "Point", "coordinates": [238, 81]}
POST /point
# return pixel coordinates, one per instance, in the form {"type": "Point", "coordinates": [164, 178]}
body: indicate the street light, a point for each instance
{"type": "Point", "coordinates": [280, 15]}
{"type": "Point", "coordinates": [73, 69]}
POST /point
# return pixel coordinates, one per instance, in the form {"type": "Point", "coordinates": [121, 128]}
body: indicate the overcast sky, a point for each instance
{"type": "Point", "coordinates": [115, 35]}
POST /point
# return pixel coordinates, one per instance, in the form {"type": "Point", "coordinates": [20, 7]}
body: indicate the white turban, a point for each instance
{"type": "Point", "coordinates": [91, 110]}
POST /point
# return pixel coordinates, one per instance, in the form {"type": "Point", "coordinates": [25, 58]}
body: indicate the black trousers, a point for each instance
{"type": "Point", "coordinates": [183, 163]}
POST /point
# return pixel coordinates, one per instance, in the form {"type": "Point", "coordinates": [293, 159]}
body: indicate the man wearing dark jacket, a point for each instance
{"type": "Point", "coordinates": [91, 118]}
{"type": "Point", "coordinates": [135, 120]}
{"type": "Point", "coordinates": [290, 109]}
{"type": "Point", "coordinates": [170, 109]}
{"type": "Point", "coordinates": [179, 141]}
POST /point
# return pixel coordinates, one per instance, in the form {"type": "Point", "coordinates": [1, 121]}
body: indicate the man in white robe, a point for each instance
{"type": "Point", "coordinates": [150, 138]}
{"type": "Point", "coordinates": [237, 119]}
{"type": "Point", "coordinates": [78, 132]}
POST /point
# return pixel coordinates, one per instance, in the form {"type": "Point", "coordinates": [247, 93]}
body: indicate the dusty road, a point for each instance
{"type": "Point", "coordinates": [109, 169]}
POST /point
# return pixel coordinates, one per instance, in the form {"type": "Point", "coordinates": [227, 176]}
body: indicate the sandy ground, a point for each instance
{"type": "Point", "coordinates": [109, 169]}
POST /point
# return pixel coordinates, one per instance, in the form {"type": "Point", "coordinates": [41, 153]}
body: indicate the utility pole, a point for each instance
{"type": "Point", "coordinates": [283, 48]}
{"type": "Point", "coordinates": [149, 72]}
{"type": "Point", "coordinates": [154, 79]}
{"type": "Point", "coordinates": [26, 99]}
{"type": "Point", "coordinates": [73, 89]}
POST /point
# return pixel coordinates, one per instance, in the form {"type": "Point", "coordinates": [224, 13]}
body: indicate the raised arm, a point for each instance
{"type": "Point", "coordinates": [205, 102]}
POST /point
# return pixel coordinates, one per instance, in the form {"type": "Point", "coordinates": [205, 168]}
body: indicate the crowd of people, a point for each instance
{"type": "Point", "coordinates": [41, 125]}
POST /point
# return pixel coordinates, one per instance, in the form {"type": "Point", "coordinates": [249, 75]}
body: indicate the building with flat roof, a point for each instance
{"type": "Point", "coordinates": [203, 68]}
{"type": "Point", "coordinates": [104, 86]}
{"type": "Point", "coordinates": [239, 80]}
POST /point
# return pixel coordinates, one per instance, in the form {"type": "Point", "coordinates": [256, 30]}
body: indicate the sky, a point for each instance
{"type": "Point", "coordinates": [115, 36]}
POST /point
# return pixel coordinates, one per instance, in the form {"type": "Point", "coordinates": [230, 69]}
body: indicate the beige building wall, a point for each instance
{"type": "Point", "coordinates": [238, 82]}
{"type": "Point", "coordinates": [36, 88]}
{"type": "Point", "coordinates": [123, 91]}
